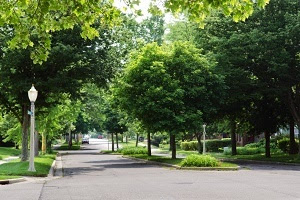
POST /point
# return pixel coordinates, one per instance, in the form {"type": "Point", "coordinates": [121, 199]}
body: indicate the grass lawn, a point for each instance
{"type": "Point", "coordinates": [279, 157]}
{"type": "Point", "coordinates": [66, 147]}
{"type": "Point", "coordinates": [8, 177]}
{"type": "Point", "coordinates": [110, 152]}
{"type": "Point", "coordinates": [176, 161]}
{"type": "Point", "coordinates": [18, 168]}
{"type": "Point", "coordinates": [8, 151]}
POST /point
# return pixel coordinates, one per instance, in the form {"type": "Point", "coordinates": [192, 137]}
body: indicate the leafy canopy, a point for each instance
{"type": "Point", "coordinates": [33, 21]}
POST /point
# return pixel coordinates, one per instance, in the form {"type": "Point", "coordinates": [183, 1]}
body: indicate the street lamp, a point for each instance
{"type": "Point", "coordinates": [32, 95]}
{"type": "Point", "coordinates": [204, 150]}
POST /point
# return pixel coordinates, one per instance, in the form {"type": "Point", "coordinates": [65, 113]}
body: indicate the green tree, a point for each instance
{"type": "Point", "coordinates": [33, 22]}
{"type": "Point", "coordinates": [72, 63]}
{"type": "Point", "coordinates": [169, 91]}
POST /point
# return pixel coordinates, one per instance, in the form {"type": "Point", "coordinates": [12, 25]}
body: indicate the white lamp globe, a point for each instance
{"type": "Point", "coordinates": [32, 94]}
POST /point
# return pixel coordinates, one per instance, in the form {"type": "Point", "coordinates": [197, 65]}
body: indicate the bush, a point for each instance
{"type": "Point", "coordinates": [211, 145]}
{"type": "Point", "coordinates": [158, 139]}
{"type": "Point", "coordinates": [284, 144]}
{"type": "Point", "coordinates": [246, 151]}
{"type": "Point", "coordinates": [189, 146]}
{"type": "Point", "coordinates": [133, 150]}
{"type": "Point", "coordinates": [200, 161]}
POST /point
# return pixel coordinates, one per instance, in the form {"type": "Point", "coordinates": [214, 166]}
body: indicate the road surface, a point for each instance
{"type": "Point", "coordinates": [89, 175]}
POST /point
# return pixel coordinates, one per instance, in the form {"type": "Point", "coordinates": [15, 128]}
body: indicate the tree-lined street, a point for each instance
{"type": "Point", "coordinates": [90, 175]}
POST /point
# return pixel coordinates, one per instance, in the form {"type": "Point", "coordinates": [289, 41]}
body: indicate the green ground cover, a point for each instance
{"type": "Point", "coordinates": [17, 168]}
{"type": "Point", "coordinates": [169, 160]}
{"type": "Point", "coordinates": [8, 177]}
{"type": "Point", "coordinates": [277, 157]}
{"type": "Point", "coordinates": [66, 147]}
{"type": "Point", "coordinates": [8, 151]}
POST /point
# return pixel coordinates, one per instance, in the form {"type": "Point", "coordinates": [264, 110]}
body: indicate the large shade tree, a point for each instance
{"type": "Point", "coordinates": [33, 22]}
{"type": "Point", "coordinates": [169, 90]}
{"type": "Point", "coordinates": [73, 62]}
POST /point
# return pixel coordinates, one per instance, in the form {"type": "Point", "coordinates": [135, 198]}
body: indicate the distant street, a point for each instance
{"type": "Point", "coordinates": [89, 175]}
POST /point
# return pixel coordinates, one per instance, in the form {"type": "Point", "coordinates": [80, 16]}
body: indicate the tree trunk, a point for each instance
{"type": "Point", "coordinates": [173, 146]}
{"type": "Point", "coordinates": [171, 143]}
{"type": "Point", "coordinates": [293, 146]}
{"type": "Point", "coordinates": [112, 143]}
{"type": "Point", "coordinates": [126, 139]}
{"type": "Point", "coordinates": [70, 140]}
{"type": "Point", "coordinates": [149, 143]}
{"type": "Point", "coordinates": [25, 126]}
{"type": "Point", "coordinates": [233, 137]}
{"type": "Point", "coordinates": [44, 145]}
{"type": "Point", "coordinates": [267, 137]}
{"type": "Point", "coordinates": [198, 136]}
{"type": "Point", "coordinates": [117, 139]}
{"type": "Point", "coordinates": [137, 140]}
{"type": "Point", "coordinates": [36, 143]}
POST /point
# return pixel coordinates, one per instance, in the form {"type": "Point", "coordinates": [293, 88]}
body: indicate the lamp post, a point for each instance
{"type": "Point", "coordinates": [204, 150]}
{"type": "Point", "coordinates": [32, 95]}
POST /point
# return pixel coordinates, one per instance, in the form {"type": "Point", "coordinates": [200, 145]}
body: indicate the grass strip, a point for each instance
{"type": "Point", "coordinates": [66, 147]}
{"type": "Point", "coordinates": [17, 168]}
{"type": "Point", "coordinates": [176, 161]}
{"type": "Point", "coordinates": [8, 177]}
{"type": "Point", "coordinates": [9, 151]}
{"type": "Point", "coordinates": [280, 158]}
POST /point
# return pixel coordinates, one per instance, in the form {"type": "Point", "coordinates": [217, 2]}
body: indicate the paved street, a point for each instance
{"type": "Point", "coordinates": [90, 175]}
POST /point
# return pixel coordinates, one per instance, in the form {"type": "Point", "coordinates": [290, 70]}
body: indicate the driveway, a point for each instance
{"type": "Point", "coordinates": [90, 175]}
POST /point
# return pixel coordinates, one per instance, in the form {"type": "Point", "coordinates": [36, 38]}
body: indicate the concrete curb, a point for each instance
{"type": "Point", "coordinates": [52, 169]}
{"type": "Point", "coordinates": [56, 167]}
{"type": "Point", "coordinates": [242, 161]}
{"type": "Point", "coordinates": [10, 181]}
{"type": "Point", "coordinates": [186, 168]}
{"type": "Point", "coordinates": [59, 166]}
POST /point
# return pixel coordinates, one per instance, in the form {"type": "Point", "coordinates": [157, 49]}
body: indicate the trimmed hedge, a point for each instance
{"type": "Point", "coordinates": [195, 160]}
{"type": "Point", "coordinates": [211, 145]}
{"type": "Point", "coordinates": [246, 151]}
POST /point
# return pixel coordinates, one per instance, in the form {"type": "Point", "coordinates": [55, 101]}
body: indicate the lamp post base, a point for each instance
{"type": "Point", "coordinates": [31, 169]}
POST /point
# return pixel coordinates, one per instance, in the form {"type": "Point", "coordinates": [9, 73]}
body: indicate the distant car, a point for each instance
{"type": "Point", "coordinates": [85, 140]}
{"type": "Point", "coordinates": [100, 137]}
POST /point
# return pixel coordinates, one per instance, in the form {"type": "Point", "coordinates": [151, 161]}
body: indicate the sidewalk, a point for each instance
{"type": "Point", "coordinates": [6, 160]}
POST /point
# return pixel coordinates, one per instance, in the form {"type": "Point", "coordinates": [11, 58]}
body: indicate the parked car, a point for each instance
{"type": "Point", "coordinates": [100, 137]}
{"type": "Point", "coordinates": [85, 140]}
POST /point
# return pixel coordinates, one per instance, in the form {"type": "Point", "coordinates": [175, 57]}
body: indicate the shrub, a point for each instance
{"type": "Point", "coordinates": [157, 139]}
{"type": "Point", "coordinates": [211, 145]}
{"type": "Point", "coordinates": [216, 145]}
{"type": "Point", "coordinates": [284, 144]}
{"type": "Point", "coordinates": [195, 160]}
{"type": "Point", "coordinates": [133, 150]}
{"type": "Point", "coordinates": [189, 146]}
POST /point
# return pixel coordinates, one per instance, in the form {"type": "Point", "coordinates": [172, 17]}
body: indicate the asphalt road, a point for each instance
{"type": "Point", "coordinates": [90, 175]}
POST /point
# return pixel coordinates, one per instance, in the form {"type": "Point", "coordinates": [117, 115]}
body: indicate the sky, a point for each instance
{"type": "Point", "coordinates": [144, 5]}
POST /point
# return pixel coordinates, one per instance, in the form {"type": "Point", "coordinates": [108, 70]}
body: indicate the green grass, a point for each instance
{"type": "Point", "coordinates": [161, 159]}
{"type": "Point", "coordinates": [66, 147]}
{"type": "Point", "coordinates": [8, 151]}
{"type": "Point", "coordinates": [8, 177]}
{"type": "Point", "coordinates": [182, 152]}
{"type": "Point", "coordinates": [278, 157]}
{"type": "Point", "coordinates": [110, 152]}
{"type": "Point", "coordinates": [176, 161]}
{"type": "Point", "coordinates": [18, 168]}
